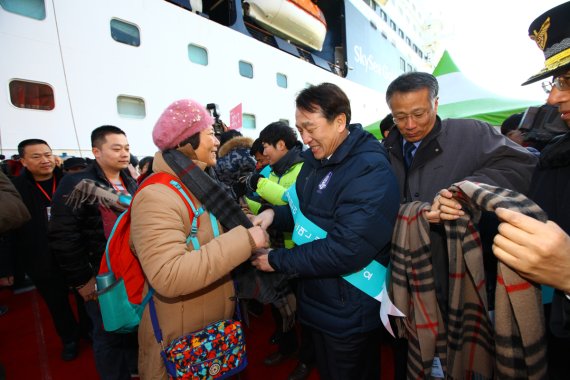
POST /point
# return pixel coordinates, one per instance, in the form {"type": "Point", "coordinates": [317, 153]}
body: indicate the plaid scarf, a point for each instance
{"type": "Point", "coordinates": [266, 287]}
{"type": "Point", "coordinates": [468, 347]}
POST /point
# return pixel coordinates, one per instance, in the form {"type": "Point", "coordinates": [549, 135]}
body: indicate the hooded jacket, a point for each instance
{"type": "Point", "coordinates": [353, 196]}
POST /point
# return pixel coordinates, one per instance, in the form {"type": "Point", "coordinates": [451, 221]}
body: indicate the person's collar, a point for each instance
{"type": "Point", "coordinates": [289, 159]}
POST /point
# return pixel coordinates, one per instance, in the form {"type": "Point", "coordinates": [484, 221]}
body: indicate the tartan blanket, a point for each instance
{"type": "Point", "coordinates": [470, 346]}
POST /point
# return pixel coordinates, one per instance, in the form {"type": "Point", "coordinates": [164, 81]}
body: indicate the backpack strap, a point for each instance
{"type": "Point", "coordinates": [196, 244]}
{"type": "Point", "coordinates": [168, 180]}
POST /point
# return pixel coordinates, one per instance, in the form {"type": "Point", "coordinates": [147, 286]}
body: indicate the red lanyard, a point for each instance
{"type": "Point", "coordinates": [48, 196]}
{"type": "Point", "coordinates": [116, 188]}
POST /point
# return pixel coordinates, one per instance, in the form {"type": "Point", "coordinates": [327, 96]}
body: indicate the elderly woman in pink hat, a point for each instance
{"type": "Point", "coordinates": [190, 276]}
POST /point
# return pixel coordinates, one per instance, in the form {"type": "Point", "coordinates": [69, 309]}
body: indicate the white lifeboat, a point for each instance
{"type": "Point", "coordinates": [301, 21]}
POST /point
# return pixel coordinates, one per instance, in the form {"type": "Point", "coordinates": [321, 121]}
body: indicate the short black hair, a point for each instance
{"type": "Point", "coordinates": [256, 147]}
{"type": "Point", "coordinates": [511, 123]}
{"type": "Point", "coordinates": [193, 140]}
{"type": "Point", "coordinates": [330, 98]}
{"type": "Point", "coordinates": [228, 135]}
{"type": "Point", "coordinates": [413, 81]}
{"type": "Point", "coordinates": [386, 124]}
{"type": "Point", "coordinates": [23, 144]}
{"type": "Point", "coordinates": [145, 160]}
{"type": "Point", "coordinates": [278, 131]}
{"type": "Point", "coordinates": [99, 134]}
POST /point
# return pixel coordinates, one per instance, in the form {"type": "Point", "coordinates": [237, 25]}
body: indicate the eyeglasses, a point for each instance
{"type": "Point", "coordinates": [562, 83]}
{"type": "Point", "coordinates": [416, 116]}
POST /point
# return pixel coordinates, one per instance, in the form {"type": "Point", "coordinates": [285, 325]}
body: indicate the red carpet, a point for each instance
{"type": "Point", "coordinates": [30, 348]}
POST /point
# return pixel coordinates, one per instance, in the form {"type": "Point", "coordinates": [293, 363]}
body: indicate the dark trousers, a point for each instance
{"type": "Point", "coordinates": [115, 354]}
{"type": "Point", "coordinates": [354, 357]}
{"type": "Point", "coordinates": [307, 353]}
{"type": "Point", "coordinates": [286, 341]}
{"type": "Point", "coordinates": [51, 287]}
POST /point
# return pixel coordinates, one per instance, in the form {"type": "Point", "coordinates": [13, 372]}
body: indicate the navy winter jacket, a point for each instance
{"type": "Point", "coordinates": [358, 208]}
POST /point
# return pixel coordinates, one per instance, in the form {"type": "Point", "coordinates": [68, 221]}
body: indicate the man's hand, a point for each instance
{"type": "Point", "coordinates": [444, 207]}
{"type": "Point", "coordinates": [264, 219]}
{"type": "Point", "coordinates": [538, 251]}
{"type": "Point", "coordinates": [260, 237]}
{"type": "Point", "coordinates": [260, 260]}
{"type": "Point", "coordinates": [88, 291]}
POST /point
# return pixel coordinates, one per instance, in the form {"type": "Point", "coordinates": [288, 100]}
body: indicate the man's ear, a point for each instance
{"type": "Point", "coordinates": [340, 121]}
{"type": "Point", "coordinates": [281, 145]}
{"type": "Point", "coordinates": [96, 152]}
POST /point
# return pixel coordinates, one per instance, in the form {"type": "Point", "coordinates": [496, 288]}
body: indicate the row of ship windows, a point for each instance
{"type": "Point", "coordinates": [372, 4]}
{"type": "Point", "coordinates": [129, 34]}
{"type": "Point", "coordinates": [40, 96]}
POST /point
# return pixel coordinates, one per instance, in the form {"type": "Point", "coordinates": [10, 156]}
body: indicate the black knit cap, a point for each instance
{"type": "Point", "coordinates": [551, 32]}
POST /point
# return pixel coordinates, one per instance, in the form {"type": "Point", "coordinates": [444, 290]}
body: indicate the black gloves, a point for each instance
{"type": "Point", "coordinates": [251, 181]}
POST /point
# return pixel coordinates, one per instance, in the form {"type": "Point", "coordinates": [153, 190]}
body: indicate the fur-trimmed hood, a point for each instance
{"type": "Point", "coordinates": [236, 142]}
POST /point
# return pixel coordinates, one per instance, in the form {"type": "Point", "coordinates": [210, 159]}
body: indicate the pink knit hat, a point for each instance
{"type": "Point", "coordinates": [180, 120]}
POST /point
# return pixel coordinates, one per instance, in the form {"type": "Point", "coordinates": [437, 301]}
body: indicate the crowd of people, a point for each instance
{"type": "Point", "coordinates": [444, 231]}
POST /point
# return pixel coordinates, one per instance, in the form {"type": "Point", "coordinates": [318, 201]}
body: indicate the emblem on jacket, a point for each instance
{"type": "Point", "coordinates": [325, 181]}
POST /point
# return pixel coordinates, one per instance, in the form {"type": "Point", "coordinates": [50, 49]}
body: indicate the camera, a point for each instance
{"type": "Point", "coordinates": [219, 126]}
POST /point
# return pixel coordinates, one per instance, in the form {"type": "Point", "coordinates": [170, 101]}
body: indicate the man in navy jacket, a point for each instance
{"type": "Point", "coordinates": [348, 190]}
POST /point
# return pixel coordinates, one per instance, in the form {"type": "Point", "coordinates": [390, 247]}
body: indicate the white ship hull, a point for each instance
{"type": "Point", "coordinates": [72, 51]}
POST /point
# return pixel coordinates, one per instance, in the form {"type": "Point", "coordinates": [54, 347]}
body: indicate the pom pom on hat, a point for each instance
{"type": "Point", "coordinates": [179, 121]}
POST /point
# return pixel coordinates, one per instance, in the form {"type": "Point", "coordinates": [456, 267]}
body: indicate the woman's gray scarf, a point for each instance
{"type": "Point", "coordinates": [250, 283]}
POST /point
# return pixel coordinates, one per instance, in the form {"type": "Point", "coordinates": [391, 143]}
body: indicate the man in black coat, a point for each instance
{"type": "Point", "coordinates": [77, 239]}
{"type": "Point", "coordinates": [29, 243]}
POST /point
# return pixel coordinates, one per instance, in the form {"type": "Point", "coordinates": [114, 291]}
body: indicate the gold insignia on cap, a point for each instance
{"type": "Point", "coordinates": [542, 35]}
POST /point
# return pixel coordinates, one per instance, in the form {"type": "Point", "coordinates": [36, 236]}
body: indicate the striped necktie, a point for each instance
{"type": "Point", "coordinates": [409, 149]}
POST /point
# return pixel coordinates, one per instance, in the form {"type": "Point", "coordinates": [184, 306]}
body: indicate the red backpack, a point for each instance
{"type": "Point", "coordinates": [120, 282]}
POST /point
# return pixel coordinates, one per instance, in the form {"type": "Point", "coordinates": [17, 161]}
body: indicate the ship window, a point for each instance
{"type": "Point", "coordinates": [408, 41]}
{"type": "Point", "coordinates": [410, 68]}
{"type": "Point", "coordinates": [131, 107]}
{"type": "Point", "coordinates": [393, 25]}
{"type": "Point", "coordinates": [420, 53]}
{"type": "Point", "coordinates": [384, 16]}
{"type": "Point", "coordinates": [401, 33]}
{"type": "Point", "coordinates": [248, 121]}
{"type": "Point", "coordinates": [245, 69]}
{"type": "Point", "coordinates": [30, 8]}
{"type": "Point", "coordinates": [125, 32]}
{"type": "Point", "coordinates": [37, 96]}
{"type": "Point", "coordinates": [282, 80]}
{"type": "Point", "coordinates": [402, 64]}
{"type": "Point", "coordinates": [198, 54]}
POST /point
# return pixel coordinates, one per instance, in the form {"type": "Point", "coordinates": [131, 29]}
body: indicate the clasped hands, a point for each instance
{"type": "Point", "coordinates": [260, 258]}
{"type": "Point", "coordinates": [444, 207]}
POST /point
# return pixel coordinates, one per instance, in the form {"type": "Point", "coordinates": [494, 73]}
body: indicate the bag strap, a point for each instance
{"type": "Point", "coordinates": [165, 179]}
{"type": "Point", "coordinates": [196, 244]}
